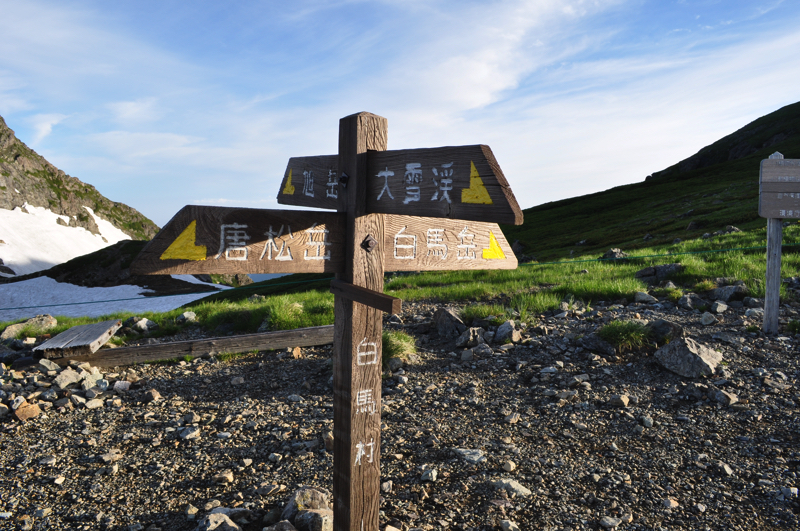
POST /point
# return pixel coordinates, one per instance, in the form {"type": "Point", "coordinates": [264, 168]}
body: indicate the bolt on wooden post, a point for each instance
{"type": "Point", "coordinates": [455, 195]}
{"type": "Point", "coordinates": [778, 199]}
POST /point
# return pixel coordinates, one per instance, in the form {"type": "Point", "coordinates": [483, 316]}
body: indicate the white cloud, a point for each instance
{"type": "Point", "coordinates": [43, 125]}
{"type": "Point", "coordinates": [135, 112]}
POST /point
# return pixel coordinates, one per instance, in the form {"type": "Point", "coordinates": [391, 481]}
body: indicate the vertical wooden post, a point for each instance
{"type": "Point", "coordinates": [357, 338]}
{"type": "Point", "coordinates": [773, 285]}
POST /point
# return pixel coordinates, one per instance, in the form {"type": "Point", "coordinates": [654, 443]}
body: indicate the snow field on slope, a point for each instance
{"type": "Point", "coordinates": [34, 241]}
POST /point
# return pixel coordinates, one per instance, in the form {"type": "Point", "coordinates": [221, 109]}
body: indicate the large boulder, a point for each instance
{"type": "Point", "coordinates": [447, 323]}
{"type": "Point", "coordinates": [688, 358]}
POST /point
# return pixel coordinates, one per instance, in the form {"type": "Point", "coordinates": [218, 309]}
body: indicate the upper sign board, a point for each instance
{"type": "Point", "coordinates": [779, 188]}
{"type": "Point", "coordinates": [203, 240]}
{"type": "Point", "coordinates": [463, 182]}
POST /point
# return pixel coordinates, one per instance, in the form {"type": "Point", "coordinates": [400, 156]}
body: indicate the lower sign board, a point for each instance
{"type": "Point", "coordinates": [779, 188]}
{"type": "Point", "coordinates": [203, 239]}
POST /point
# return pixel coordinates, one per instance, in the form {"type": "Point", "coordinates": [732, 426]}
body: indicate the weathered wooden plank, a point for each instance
{"type": "Point", "coordinates": [205, 239]}
{"type": "Point", "coordinates": [461, 182]}
{"type": "Point", "coordinates": [301, 337]}
{"type": "Point", "coordinates": [780, 170]}
{"type": "Point", "coordinates": [436, 244]}
{"type": "Point", "coordinates": [79, 340]}
{"type": "Point", "coordinates": [311, 182]}
{"type": "Point", "coordinates": [384, 303]}
{"type": "Point", "coordinates": [772, 286]}
{"type": "Point", "coordinates": [357, 343]}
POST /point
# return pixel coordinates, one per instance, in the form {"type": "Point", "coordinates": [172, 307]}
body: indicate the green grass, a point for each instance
{"type": "Point", "coordinates": [625, 335]}
{"type": "Point", "coordinates": [397, 344]}
{"type": "Point", "coordinates": [793, 327]}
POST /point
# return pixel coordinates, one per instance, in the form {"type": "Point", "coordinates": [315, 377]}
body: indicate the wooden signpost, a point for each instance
{"type": "Point", "coordinates": [778, 199]}
{"type": "Point", "coordinates": [409, 210]}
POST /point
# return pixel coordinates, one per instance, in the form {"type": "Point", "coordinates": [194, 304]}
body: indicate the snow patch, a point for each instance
{"type": "Point", "coordinates": [35, 241]}
{"type": "Point", "coordinates": [59, 298]}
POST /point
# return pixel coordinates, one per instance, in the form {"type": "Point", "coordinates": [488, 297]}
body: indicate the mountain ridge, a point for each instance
{"type": "Point", "coordinates": [26, 178]}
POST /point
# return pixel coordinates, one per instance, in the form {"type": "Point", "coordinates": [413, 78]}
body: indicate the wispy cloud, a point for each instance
{"type": "Point", "coordinates": [43, 125]}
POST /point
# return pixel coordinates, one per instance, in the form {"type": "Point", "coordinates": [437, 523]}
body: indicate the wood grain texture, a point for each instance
{"type": "Point", "coordinates": [479, 194]}
{"type": "Point", "coordinates": [118, 357]}
{"type": "Point", "coordinates": [79, 340]}
{"type": "Point", "coordinates": [780, 170]}
{"type": "Point", "coordinates": [314, 182]}
{"type": "Point", "coordinates": [772, 294]}
{"type": "Point", "coordinates": [436, 244]}
{"type": "Point", "coordinates": [357, 339]}
{"type": "Point", "coordinates": [462, 182]}
{"type": "Point", "coordinates": [779, 188]}
{"type": "Point", "coordinates": [380, 301]}
{"type": "Point", "coordinates": [779, 205]}
{"type": "Point", "coordinates": [205, 239]}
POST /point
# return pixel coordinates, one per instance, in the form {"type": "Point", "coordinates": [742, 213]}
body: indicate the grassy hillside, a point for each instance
{"type": "Point", "coordinates": [716, 187]}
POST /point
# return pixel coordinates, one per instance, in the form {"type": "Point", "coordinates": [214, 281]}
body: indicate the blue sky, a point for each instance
{"type": "Point", "coordinates": [164, 103]}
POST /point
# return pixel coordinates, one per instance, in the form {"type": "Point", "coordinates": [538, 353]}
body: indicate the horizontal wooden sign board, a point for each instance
{"type": "Point", "coordinates": [435, 244]}
{"type": "Point", "coordinates": [462, 182]}
{"type": "Point", "coordinates": [779, 188]}
{"type": "Point", "coordinates": [205, 239]}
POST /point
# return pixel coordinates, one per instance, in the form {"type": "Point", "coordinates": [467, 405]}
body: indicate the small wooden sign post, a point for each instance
{"type": "Point", "coordinates": [778, 199]}
{"type": "Point", "coordinates": [408, 210]}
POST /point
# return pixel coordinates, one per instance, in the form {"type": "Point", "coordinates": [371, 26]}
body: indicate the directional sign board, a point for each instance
{"type": "Point", "coordinates": [779, 188]}
{"type": "Point", "coordinates": [411, 210]}
{"type": "Point", "coordinates": [204, 240]}
{"type": "Point", "coordinates": [463, 182]}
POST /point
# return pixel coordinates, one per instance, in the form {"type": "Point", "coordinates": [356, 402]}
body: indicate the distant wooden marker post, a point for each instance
{"type": "Point", "coordinates": [409, 210]}
{"type": "Point", "coordinates": [778, 199]}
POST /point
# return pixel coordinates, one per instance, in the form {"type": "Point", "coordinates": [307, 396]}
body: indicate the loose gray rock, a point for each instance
{"type": "Point", "coordinates": [482, 350]}
{"type": "Point", "coordinates": [728, 293]}
{"type": "Point", "coordinates": [507, 332]}
{"type": "Point", "coordinates": [283, 525]}
{"type": "Point", "coordinates": [186, 317]}
{"type": "Point", "coordinates": [66, 378]}
{"type": "Point", "coordinates": [708, 319]}
{"type": "Point", "coordinates": [610, 522]}
{"type": "Point", "coordinates": [217, 522]}
{"type": "Point", "coordinates": [511, 486]}
{"type": "Point", "coordinates": [719, 307]}
{"type": "Point", "coordinates": [314, 520]}
{"type": "Point", "coordinates": [688, 358]}
{"type": "Point", "coordinates": [595, 343]}
{"type": "Point", "coordinates": [644, 298]}
{"type": "Point", "coordinates": [758, 313]}
{"type": "Point", "coordinates": [470, 338]}
{"type": "Point", "coordinates": [447, 323]}
{"type": "Point", "coordinates": [40, 322]}
{"type": "Point", "coordinates": [691, 301]}
{"type": "Point", "coordinates": [304, 499]}
{"type": "Point", "coordinates": [662, 330]}
{"type": "Point", "coordinates": [614, 254]}
{"type": "Point", "coordinates": [752, 302]}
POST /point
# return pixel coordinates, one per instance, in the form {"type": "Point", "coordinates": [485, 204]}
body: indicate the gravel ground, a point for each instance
{"type": "Point", "coordinates": [590, 441]}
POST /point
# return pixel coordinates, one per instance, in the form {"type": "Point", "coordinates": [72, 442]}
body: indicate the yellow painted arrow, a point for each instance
{"type": "Point", "coordinates": [289, 189]}
{"type": "Point", "coordinates": [494, 252]}
{"type": "Point", "coordinates": [184, 248]}
{"type": "Point", "coordinates": [477, 192]}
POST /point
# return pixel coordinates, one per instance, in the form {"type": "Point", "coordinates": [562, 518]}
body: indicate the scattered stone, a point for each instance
{"type": "Point", "coordinates": [688, 358]}
{"type": "Point", "coordinates": [662, 330]}
{"type": "Point", "coordinates": [508, 525]}
{"type": "Point", "coordinates": [314, 520]}
{"type": "Point", "coordinates": [723, 397]}
{"type": "Point", "coordinates": [186, 317]}
{"type": "Point", "coordinates": [756, 313]}
{"type": "Point", "coordinates": [430, 474]}
{"type": "Point", "coordinates": [304, 499]}
{"type": "Point", "coordinates": [719, 307]}
{"type": "Point", "coordinates": [691, 301]}
{"type": "Point", "coordinates": [595, 343]}
{"type": "Point", "coordinates": [225, 476]}
{"type": "Point", "coordinates": [473, 457]}
{"type": "Point", "coordinates": [511, 486]}
{"type": "Point", "coordinates": [40, 322]}
{"type": "Point", "coordinates": [507, 332]}
{"type": "Point", "coordinates": [152, 395]}
{"type": "Point", "coordinates": [614, 254]}
{"type": "Point", "coordinates": [644, 298]}
{"type": "Point", "coordinates": [470, 338]}
{"type": "Point", "coordinates": [217, 522]}
{"type": "Point", "coordinates": [708, 319]}
{"type": "Point", "coordinates": [610, 522]}
{"type": "Point", "coordinates": [509, 466]}
{"type": "Point", "coordinates": [27, 412]}
{"type": "Point", "coordinates": [447, 323]}
{"type": "Point", "coordinates": [728, 293]}
{"type": "Point", "coordinates": [238, 380]}
{"type": "Point", "coordinates": [619, 401]}
{"type": "Point", "coordinates": [671, 503]}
